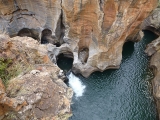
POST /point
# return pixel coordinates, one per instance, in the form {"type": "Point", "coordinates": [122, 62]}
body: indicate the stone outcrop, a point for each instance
{"type": "Point", "coordinates": [37, 93]}
{"type": "Point", "coordinates": [94, 30]}
{"type": "Point", "coordinates": [153, 49]}
{"type": "Point", "coordinates": [151, 23]}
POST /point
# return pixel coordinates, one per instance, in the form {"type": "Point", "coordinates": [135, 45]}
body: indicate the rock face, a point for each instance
{"type": "Point", "coordinates": [154, 49]}
{"type": "Point", "coordinates": [94, 31]}
{"type": "Point", "coordinates": [37, 93]}
{"type": "Point", "coordinates": [152, 22]}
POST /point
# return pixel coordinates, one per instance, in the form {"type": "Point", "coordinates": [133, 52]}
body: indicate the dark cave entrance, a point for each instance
{"type": "Point", "coordinates": [46, 36]}
{"type": "Point", "coordinates": [65, 61]}
{"type": "Point", "coordinates": [29, 33]}
{"type": "Point", "coordinates": [128, 49]}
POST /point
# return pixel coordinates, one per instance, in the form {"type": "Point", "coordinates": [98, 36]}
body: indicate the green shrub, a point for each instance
{"type": "Point", "coordinates": [9, 70]}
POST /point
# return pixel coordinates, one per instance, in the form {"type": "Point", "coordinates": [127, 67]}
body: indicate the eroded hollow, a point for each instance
{"type": "Point", "coordinates": [47, 37]}
{"type": "Point", "coordinates": [65, 61]}
{"type": "Point", "coordinates": [152, 29]}
{"type": "Point", "coordinates": [29, 33]}
{"type": "Point", "coordinates": [83, 55]}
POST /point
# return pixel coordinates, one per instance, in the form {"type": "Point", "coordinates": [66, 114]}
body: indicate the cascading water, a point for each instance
{"type": "Point", "coordinates": [76, 84]}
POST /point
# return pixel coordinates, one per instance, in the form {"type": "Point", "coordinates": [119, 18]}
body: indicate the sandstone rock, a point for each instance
{"type": "Point", "coordinates": [153, 47]}
{"type": "Point", "coordinates": [45, 95]}
{"type": "Point", "coordinates": [152, 22]}
{"type": "Point", "coordinates": [100, 27]}
{"type": "Point", "coordinates": [36, 16]}
{"type": "Point", "coordinates": [37, 93]}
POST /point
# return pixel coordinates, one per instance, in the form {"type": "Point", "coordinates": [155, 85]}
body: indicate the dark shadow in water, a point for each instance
{"type": "Point", "coordinates": [128, 49]}
{"type": "Point", "coordinates": [149, 36]}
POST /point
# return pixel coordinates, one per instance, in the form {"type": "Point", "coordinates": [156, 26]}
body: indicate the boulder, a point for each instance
{"type": "Point", "coordinates": [36, 93]}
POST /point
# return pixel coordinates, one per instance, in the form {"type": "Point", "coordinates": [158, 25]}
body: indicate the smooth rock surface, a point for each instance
{"type": "Point", "coordinates": [100, 27]}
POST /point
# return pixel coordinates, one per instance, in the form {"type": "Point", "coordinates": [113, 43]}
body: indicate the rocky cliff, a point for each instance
{"type": "Point", "coordinates": [92, 32]}
{"type": "Point", "coordinates": [38, 92]}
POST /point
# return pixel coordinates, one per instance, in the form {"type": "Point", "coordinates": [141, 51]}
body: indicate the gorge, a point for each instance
{"type": "Point", "coordinates": [92, 35]}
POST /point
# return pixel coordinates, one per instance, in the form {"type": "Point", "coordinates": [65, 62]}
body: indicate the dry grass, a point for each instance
{"type": "Point", "coordinates": [9, 70]}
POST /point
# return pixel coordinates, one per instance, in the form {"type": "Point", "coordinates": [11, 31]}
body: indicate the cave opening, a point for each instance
{"type": "Point", "coordinates": [29, 33]}
{"type": "Point", "coordinates": [65, 61]}
{"type": "Point", "coordinates": [128, 49]}
{"type": "Point", "coordinates": [46, 36]}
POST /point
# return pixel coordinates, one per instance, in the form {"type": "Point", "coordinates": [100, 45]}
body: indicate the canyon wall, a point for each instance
{"type": "Point", "coordinates": [92, 32]}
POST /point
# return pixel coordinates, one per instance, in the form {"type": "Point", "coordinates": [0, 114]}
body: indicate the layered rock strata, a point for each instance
{"type": "Point", "coordinates": [37, 93]}
{"type": "Point", "coordinates": [93, 30]}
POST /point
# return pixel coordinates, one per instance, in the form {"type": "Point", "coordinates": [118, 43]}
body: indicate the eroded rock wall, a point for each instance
{"type": "Point", "coordinates": [36, 15]}
{"type": "Point", "coordinates": [94, 30]}
{"type": "Point", "coordinates": [98, 29]}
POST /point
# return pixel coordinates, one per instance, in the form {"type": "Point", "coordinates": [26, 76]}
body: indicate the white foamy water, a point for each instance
{"type": "Point", "coordinates": [76, 84]}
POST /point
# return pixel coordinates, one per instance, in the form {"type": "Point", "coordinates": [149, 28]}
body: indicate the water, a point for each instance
{"type": "Point", "coordinates": [76, 84]}
{"type": "Point", "coordinates": [123, 94]}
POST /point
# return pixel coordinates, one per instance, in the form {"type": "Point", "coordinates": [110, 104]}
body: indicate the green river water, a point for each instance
{"type": "Point", "coordinates": [123, 94]}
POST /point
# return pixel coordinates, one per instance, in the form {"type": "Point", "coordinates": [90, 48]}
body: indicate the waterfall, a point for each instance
{"type": "Point", "coordinates": [76, 84]}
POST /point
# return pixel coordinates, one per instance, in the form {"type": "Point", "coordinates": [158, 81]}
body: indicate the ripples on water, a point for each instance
{"type": "Point", "coordinates": [122, 94]}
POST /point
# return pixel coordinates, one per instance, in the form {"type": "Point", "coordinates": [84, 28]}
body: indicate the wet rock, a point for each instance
{"type": "Point", "coordinates": [62, 75]}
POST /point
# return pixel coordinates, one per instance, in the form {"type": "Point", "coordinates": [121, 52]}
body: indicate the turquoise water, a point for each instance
{"type": "Point", "coordinates": [123, 94]}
